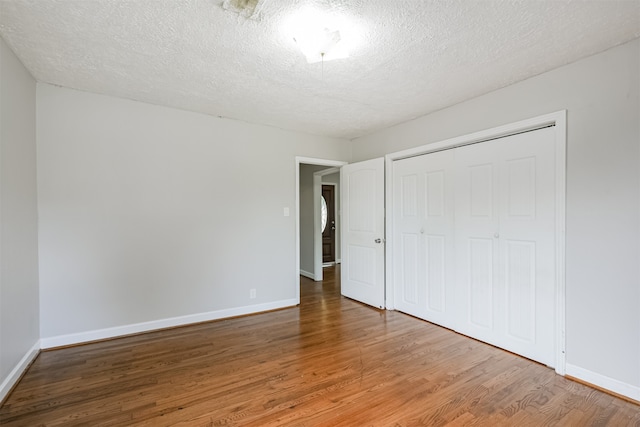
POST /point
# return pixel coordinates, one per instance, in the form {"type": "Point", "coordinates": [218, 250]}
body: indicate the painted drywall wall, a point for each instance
{"type": "Point", "coordinates": [307, 218]}
{"type": "Point", "coordinates": [151, 213]}
{"type": "Point", "coordinates": [601, 94]}
{"type": "Point", "coordinates": [334, 178]}
{"type": "Point", "coordinates": [19, 306]}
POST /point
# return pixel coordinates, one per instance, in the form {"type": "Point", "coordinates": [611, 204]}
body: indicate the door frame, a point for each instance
{"type": "Point", "coordinates": [307, 161]}
{"type": "Point", "coordinates": [317, 220]}
{"type": "Point", "coordinates": [557, 119]}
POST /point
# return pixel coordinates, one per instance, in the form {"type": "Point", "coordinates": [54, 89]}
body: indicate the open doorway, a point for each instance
{"type": "Point", "coordinates": [309, 177]}
{"type": "Point", "coordinates": [328, 218]}
{"type": "Point", "coordinates": [324, 179]}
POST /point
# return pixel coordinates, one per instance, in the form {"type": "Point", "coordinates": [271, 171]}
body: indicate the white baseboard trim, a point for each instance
{"type": "Point", "coordinates": [616, 386]}
{"type": "Point", "coordinates": [19, 369]}
{"type": "Point", "coordinates": [118, 331]}
{"type": "Point", "coordinates": [307, 274]}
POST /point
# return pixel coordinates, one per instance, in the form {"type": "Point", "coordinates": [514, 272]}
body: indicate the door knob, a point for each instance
{"type": "Point", "coordinates": [378, 240]}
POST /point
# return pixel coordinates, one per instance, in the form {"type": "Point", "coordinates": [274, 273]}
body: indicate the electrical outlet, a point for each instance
{"type": "Point", "coordinates": [252, 293]}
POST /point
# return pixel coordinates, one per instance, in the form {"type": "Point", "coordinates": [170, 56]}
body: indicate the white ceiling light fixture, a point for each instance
{"type": "Point", "coordinates": [321, 44]}
{"type": "Point", "coordinates": [320, 35]}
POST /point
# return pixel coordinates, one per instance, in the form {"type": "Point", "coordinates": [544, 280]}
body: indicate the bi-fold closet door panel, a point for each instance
{"type": "Point", "coordinates": [497, 229]}
{"type": "Point", "coordinates": [424, 238]}
{"type": "Point", "coordinates": [505, 243]}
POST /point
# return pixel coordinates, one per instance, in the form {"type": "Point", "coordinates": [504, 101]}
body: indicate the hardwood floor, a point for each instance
{"type": "Point", "coordinates": [329, 362]}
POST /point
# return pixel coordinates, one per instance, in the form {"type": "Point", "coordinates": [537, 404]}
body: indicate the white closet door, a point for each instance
{"type": "Point", "coordinates": [423, 230]}
{"type": "Point", "coordinates": [505, 243]}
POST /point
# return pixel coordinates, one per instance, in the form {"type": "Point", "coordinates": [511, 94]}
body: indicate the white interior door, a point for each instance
{"type": "Point", "coordinates": [424, 237]}
{"type": "Point", "coordinates": [362, 197]}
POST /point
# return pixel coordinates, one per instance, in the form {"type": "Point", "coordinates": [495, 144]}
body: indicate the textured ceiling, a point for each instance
{"type": "Point", "coordinates": [215, 57]}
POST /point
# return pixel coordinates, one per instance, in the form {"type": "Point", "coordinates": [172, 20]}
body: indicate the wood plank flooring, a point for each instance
{"type": "Point", "coordinates": [329, 362]}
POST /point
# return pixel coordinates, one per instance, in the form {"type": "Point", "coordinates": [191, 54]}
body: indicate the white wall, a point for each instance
{"type": "Point", "coordinates": [151, 213]}
{"type": "Point", "coordinates": [601, 94]}
{"type": "Point", "coordinates": [19, 318]}
{"type": "Point", "coordinates": [307, 224]}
